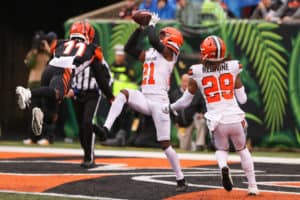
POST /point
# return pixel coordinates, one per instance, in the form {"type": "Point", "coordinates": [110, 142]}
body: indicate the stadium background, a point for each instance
{"type": "Point", "coordinates": [268, 52]}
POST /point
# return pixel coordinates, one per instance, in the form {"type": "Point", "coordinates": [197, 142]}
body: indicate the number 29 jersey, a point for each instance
{"type": "Point", "coordinates": [217, 88]}
{"type": "Point", "coordinates": [157, 73]}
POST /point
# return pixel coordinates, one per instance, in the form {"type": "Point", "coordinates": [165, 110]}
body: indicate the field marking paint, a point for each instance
{"type": "Point", "coordinates": [275, 183]}
{"type": "Point", "coordinates": [60, 195]}
{"type": "Point", "coordinates": [152, 179]}
{"type": "Point", "coordinates": [131, 153]}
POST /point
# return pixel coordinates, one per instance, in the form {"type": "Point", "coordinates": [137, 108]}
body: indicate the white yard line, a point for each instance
{"type": "Point", "coordinates": [145, 154]}
{"type": "Point", "coordinates": [60, 195]}
{"type": "Point", "coordinates": [155, 179]}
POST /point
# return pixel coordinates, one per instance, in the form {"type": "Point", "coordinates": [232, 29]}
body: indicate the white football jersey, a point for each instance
{"type": "Point", "coordinates": [217, 88]}
{"type": "Point", "coordinates": [156, 73]}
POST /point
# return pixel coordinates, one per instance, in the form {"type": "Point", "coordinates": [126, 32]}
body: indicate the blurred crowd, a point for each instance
{"type": "Point", "coordinates": [271, 10]}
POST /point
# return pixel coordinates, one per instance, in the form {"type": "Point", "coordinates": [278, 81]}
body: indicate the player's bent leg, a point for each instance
{"type": "Point", "coordinates": [116, 108]}
{"type": "Point", "coordinates": [221, 136]}
{"type": "Point", "coordinates": [239, 141]}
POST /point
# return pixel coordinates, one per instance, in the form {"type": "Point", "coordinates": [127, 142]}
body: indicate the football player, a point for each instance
{"type": "Point", "coordinates": [157, 68]}
{"type": "Point", "coordinates": [219, 80]}
{"type": "Point", "coordinates": [70, 57]}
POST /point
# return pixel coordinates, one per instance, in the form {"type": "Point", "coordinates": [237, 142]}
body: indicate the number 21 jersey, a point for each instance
{"type": "Point", "coordinates": [156, 73]}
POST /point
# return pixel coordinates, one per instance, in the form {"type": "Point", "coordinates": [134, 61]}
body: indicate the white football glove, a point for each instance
{"type": "Point", "coordinates": [167, 109]}
{"type": "Point", "coordinates": [154, 19]}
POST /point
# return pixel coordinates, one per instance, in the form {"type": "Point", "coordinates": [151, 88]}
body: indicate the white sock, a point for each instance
{"type": "Point", "coordinates": [221, 157]}
{"type": "Point", "coordinates": [248, 167]}
{"type": "Point", "coordinates": [174, 161]}
{"type": "Point", "coordinates": [115, 110]}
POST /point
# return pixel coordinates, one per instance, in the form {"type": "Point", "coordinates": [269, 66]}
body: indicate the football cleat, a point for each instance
{"type": "Point", "coordinates": [43, 142]}
{"type": "Point", "coordinates": [88, 164]}
{"type": "Point", "coordinates": [28, 141]}
{"type": "Point", "coordinates": [182, 185]}
{"type": "Point", "coordinates": [253, 191]}
{"type": "Point", "coordinates": [37, 121]}
{"type": "Point", "coordinates": [226, 179]}
{"type": "Point", "coordinates": [24, 96]}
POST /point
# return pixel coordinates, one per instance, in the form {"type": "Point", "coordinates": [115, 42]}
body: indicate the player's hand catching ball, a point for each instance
{"type": "Point", "coordinates": [154, 19]}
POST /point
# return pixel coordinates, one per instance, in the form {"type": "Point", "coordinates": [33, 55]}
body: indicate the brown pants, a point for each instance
{"type": "Point", "coordinates": [185, 134]}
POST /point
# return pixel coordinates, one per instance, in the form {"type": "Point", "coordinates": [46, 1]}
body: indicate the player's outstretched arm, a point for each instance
{"type": "Point", "coordinates": [131, 45]}
{"type": "Point", "coordinates": [155, 40]}
{"type": "Point", "coordinates": [185, 100]}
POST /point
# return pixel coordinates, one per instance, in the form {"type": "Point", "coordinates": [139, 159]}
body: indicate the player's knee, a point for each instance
{"type": "Point", "coordinates": [58, 95]}
{"type": "Point", "coordinates": [240, 148]}
{"type": "Point", "coordinates": [165, 144]}
{"type": "Point", "coordinates": [125, 92]}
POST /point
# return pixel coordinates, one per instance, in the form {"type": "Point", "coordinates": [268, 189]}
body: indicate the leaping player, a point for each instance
{"type": "Point", "coordinates": [157, 68]}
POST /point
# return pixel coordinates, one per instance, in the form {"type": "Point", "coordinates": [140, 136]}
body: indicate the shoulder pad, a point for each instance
{"type": "Point", "coordinates": [234, 65]}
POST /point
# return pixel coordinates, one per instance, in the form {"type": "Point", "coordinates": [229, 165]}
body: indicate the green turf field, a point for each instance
{"type": "Point", "coordinates": [9, 196]}
{"type": "Point", "coordinates": [275, 152]}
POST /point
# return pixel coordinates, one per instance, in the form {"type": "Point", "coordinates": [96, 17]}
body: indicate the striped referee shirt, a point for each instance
{"type": "Point", "coordinates": [85, 80]}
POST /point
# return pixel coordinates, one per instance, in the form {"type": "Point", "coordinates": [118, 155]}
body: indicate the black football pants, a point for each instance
{"type": "Point", "coordinates": [85, 106]}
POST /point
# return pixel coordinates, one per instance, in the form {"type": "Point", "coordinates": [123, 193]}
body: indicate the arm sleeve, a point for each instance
{"type": "Point", "coordinates": [131, 45]}
{"type": "Point", "coordinates": [154, 40]}
{"type": "Point", "coordinates": [240, 95]}
{"type": "Point", "coordinates": [100, 75]}
{"type": "Point", "coordinates": [184, 101]}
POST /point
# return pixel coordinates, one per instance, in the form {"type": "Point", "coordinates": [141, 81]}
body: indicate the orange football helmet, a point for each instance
{"type": "Point", "coordinates": [173, 38]}
{"type": "Point", "coordinates": [212, 48]}
{"type": "Point", "coordinates": [83, 30]}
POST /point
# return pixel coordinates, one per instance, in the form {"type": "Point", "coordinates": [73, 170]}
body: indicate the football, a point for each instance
{"type": "Point", "coordinates": [142, 17]}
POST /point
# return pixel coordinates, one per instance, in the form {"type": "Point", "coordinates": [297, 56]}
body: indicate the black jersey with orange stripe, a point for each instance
{"type": "Point", "coordinates": [78, 55]}
{"type": "Point", "coordinates": [75, 54]}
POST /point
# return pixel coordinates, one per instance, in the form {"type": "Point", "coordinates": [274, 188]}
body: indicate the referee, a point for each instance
{"type": "Point", "coordinates": [86, 95]}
